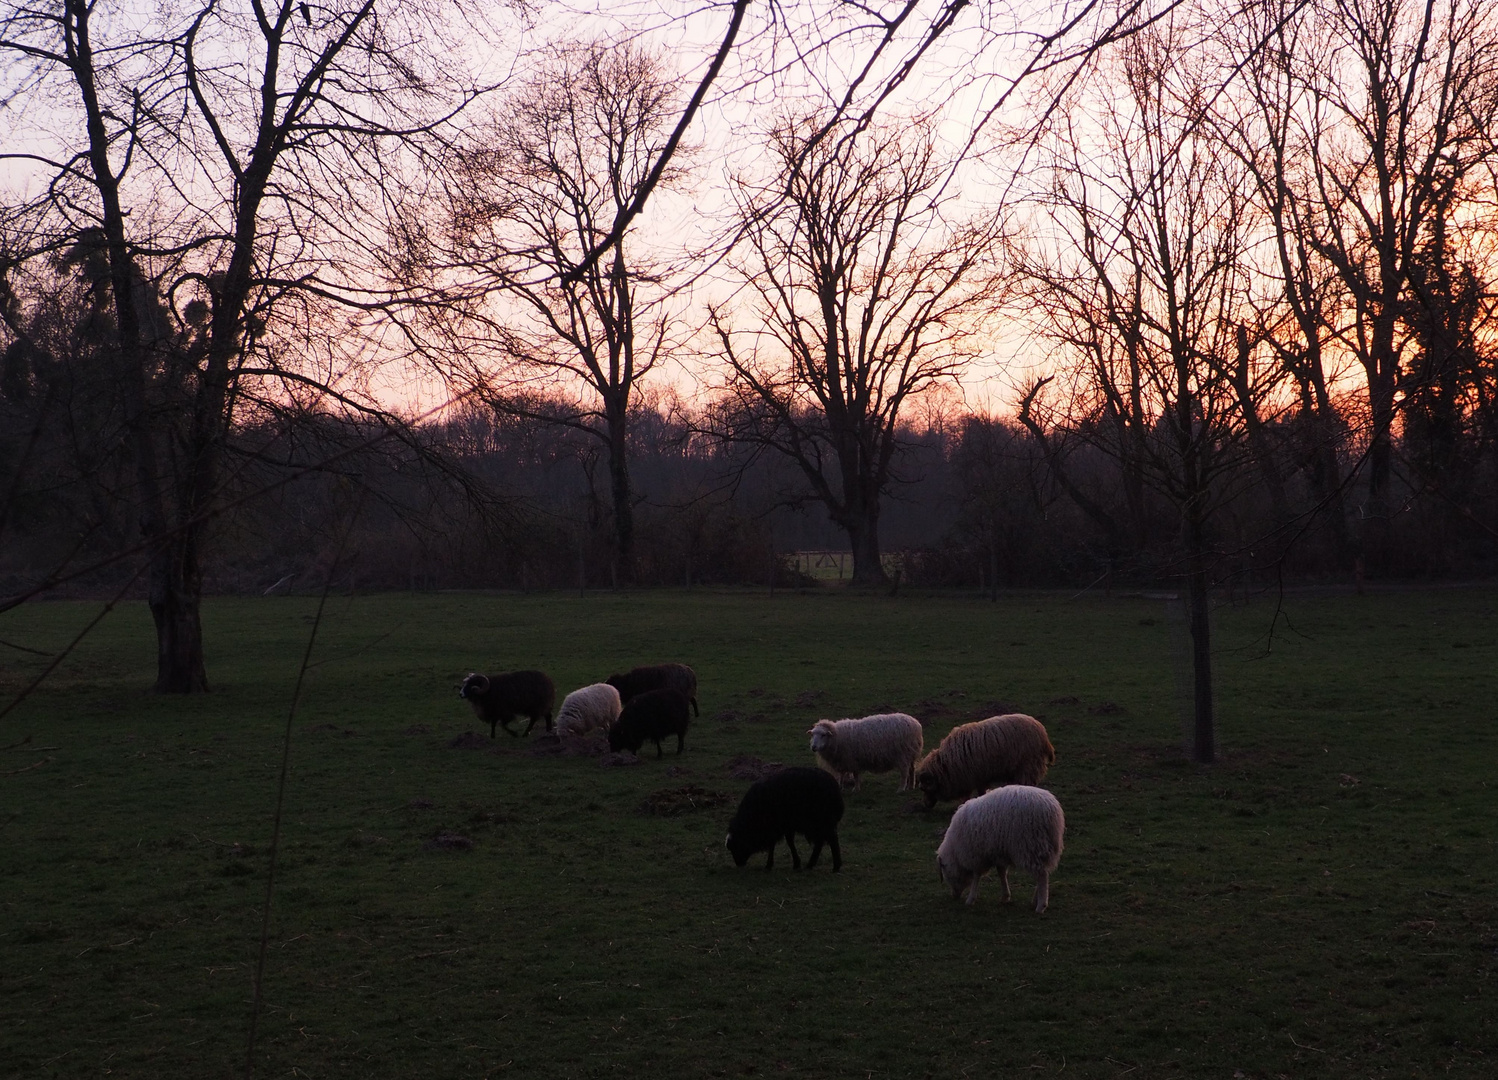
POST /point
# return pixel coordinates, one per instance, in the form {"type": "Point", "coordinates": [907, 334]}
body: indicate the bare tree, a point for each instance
{"type": "Point", "coordinates": [538, 189]}
{"type": "Point", "coordinates": [1259, 120]}
{"type": "Point", "coordinates": [1395, 108]}
{"type": "Point", "coordinates": [1138, 271]}
{"type": "Point", "coordinates": [858, 296]}
{"type": "Point", "coordinates": [210, 199]}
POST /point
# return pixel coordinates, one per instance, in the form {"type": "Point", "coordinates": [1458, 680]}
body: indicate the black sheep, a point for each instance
{"type": "Point", "coordinates": [498, 699]}
{"type": "Point", "coordinates": [652, 715]}
{"type": "Point", "coordinates": [642, 680]}
{"type": "Point", "coordinates": [791, 801]}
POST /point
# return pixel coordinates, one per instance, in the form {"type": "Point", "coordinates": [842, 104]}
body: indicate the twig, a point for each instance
{"type": "Point", "coordinates": [23, 648]}
{"type": "Point", "coordinates": [1303, 1046]}
{"type": "Point", "coordinates": [275, 841]}
{"type": "Point", "coordinates": [24, 694]}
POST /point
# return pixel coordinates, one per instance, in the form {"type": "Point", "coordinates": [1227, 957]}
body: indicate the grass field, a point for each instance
{"type": "Point", "coordinates": [1319, 903]}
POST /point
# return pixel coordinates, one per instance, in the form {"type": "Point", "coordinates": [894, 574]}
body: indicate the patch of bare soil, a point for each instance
{"type": "Point", "coordinates": [749, 767]}
{"type": "Point", "coordinates": [671, 802]}
{"type": "Point", "coordinates": [470, 740]}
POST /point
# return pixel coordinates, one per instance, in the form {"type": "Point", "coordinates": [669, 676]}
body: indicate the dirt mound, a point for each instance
{"type": "Point", "coordinates": [749, 767]}
{"type": "Point", "coordinates": [448, 841]}
{"type": "Point", "coordinates": [683, 800]}
{"type": "Point", "coordinates": [470, 740]}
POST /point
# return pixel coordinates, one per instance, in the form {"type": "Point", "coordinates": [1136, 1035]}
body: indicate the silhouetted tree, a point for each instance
{"type": "Point", "coordinates": [859, 295]}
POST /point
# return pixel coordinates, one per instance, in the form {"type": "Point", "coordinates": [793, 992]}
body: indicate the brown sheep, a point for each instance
{"type": "Point", "coordinates": [1010, 749]}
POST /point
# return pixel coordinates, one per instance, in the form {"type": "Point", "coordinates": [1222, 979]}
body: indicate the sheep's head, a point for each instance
{"type": "Point", "coordinates": [822, 733]}
{"type": "Point", "coordinates": [740, 850]}
{"type": "Point", "coordinates": [616, 737]}
{"type": "Point", "coordinates": [930, 789]}
{"type": "Point", "coordinates": [616, 681]}
{"type": "Point", "coordinates": [474, 685]}
{"type": "Point", "coordinates": [953, 877]}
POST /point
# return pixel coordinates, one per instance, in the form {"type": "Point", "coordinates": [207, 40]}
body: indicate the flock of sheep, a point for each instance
{"type": "Point", "coordinates": [993, 764]}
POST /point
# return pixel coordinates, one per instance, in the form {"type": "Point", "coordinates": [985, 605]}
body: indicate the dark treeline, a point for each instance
{"type": "Point", "coordinates": [486, 500]}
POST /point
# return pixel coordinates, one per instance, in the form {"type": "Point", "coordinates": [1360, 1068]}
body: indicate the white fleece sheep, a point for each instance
{"type": "Point", "coordinates": [1015, 826]}
{"type": "Point", "coordinates": [876, 743]}
{"type": "Point", "coordinates": [584, 710]}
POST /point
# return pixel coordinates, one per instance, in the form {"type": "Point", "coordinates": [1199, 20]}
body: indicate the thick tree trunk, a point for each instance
{"type": "Point", "coordinates": [175, 577]}
{"type": "Point", "coordinates": [175, 600]}
{"type": "Point", "coordinates": [863, 537]}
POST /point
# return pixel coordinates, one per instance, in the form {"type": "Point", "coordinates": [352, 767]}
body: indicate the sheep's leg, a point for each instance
{"type": "Point", "coordinates": [1042, 891]}
{"type": "Point", "coordinates": [1004, 882]}
{"type": "Point", "coordinates": [790, 842]}
{"type": "Point", "coordinates": [972, 891]}
{"type": "Point", "coordinates": [658, 753]}
{"type": "Point", "coordinates": [530, 725]}
{"type": "Point", "coordinates": [816, 853]}
{"type": "Point", "coordinates": [492, 724]}
{"type": "Point", "coordinates": [681, 741]}
{"type": "Point", "coordinates": [505, 722]}
{"type": "Point", "coordinates": [837, 855]}
{"type": "Point", "coordinates": [549, 725]}
{"type": "Point", "coordinates": [695, 711]}
{"type": "Point", "coordinates": [770, 862]}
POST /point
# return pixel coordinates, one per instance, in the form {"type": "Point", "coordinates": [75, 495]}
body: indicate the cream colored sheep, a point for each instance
{"type": "Point", "coordinates": [587, 709]}
{"type": "Point", "coordinates": [879, 743]}
{"type": "Point", "coordinates": [1017, 826]}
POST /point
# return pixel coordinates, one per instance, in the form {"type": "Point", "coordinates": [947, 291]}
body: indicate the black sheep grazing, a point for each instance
{"type": "Point", "coordinates": [791, 801]}
{"type": "Point", "coordinates": [652, 715]}
{"type": "Point", "coordinates": [498, 699]}
{"type": "Point", "coordinates": [642, 680]}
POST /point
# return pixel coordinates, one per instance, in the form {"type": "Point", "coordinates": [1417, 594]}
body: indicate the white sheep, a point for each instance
{"type": "Point", "coordinates": [1015, 826]}
{"type": "Point", "coordinates": [876, 743]}
{"type": "Point", "coordinates": [587, 709]}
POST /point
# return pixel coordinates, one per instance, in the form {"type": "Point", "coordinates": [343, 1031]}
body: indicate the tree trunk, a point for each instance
{"type": "Point", "coordinates": [1203, 727]}
{"type": "Point", "coordinates": [863, 536]}
{"type": "Point", "coordinates": [993, 555]}
{"type": "Point", "coordinates": [621, 492]}
{"type": "Point", "coordinates": [175, 598]}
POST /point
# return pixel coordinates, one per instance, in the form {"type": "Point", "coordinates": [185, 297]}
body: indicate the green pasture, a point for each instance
{"type": "Point", "coordinates": [1321, 902]}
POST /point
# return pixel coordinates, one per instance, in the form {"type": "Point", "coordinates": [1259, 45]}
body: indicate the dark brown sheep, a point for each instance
{"type": "Point", "coordinates": [498, 699]}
